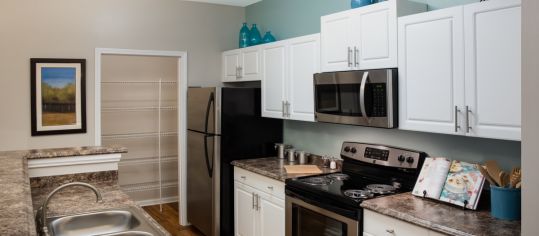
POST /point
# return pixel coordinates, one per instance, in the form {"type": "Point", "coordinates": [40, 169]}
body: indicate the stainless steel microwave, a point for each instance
{"type": "Point", "coordinates": [366, 98]}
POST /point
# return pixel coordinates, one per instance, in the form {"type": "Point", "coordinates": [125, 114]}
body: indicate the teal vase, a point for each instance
{"type": "Point", "coordinates": [244, 36]}
{"type": "Point", "coordinates": [254, 38]}
{"type": "Point", "coordinates": [268, 38]}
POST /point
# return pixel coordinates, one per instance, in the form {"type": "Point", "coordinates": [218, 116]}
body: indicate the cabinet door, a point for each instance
{"type": "Point", "coordinates": [231, 64]}
{"type": "Point", "coordinates": [374, 34]}
{"type": "Point", "coordinates": [244, 212]}
{"type": "Point", "coordinates": [493, 68]}
{"type": "Point", "coordinates": [304, 55]}
{"type": "Point", "coordinates": [271, 216]}
{"type": "Point", "coordinates": [431, 72]}
{"type": "Point", "coordinates": [250, 64]}
{"type": "Point", "coordinates": [336, 42]}
{"type": "Point", "coordinates": [376, 224]}
{"type": "Point", "coordinates": [274, 73]}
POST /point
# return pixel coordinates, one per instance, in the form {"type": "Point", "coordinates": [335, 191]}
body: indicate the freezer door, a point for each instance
{"type": "Point", "coordinates": [201, 109]}
{"type": "Point", "coordinates": [200, 194]}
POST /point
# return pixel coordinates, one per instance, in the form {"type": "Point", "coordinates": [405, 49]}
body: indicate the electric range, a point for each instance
{"type": "Point", "coordinates": [330, 204]}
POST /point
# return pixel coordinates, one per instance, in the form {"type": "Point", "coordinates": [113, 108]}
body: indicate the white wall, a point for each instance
{"type": "Point", "coordinates": [530, 117]}
{"type": "Point", "coordinates": [73, 29]}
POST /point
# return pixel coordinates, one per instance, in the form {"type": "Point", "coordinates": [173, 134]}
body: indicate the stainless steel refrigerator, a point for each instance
{"type": "Point", "coordinates": [224, 124]}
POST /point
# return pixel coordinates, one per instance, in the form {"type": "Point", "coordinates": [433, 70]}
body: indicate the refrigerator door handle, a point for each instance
{"type": "Point", "coordinates": [209, 165]}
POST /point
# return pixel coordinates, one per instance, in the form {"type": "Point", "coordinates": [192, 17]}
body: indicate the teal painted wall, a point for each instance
{"type": "Point", "coordinates": [291, 18]}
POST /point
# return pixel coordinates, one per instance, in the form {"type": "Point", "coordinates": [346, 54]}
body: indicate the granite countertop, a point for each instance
{"type": "Point", "coordinates": [441, 217]}
{"type": "Point", "coordinates": [273, 167]}
{"type": "Point", "coordinates": [16, 212]}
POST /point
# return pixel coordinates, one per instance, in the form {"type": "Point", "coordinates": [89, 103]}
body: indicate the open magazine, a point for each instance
{"type": "Point", "coordinates": [455, 182]}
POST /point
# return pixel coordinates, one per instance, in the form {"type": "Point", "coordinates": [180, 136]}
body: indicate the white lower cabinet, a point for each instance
{"type": "Point", "coordinates": [376, 224]}
{"type": "Point", "coordinates": [259, 206]}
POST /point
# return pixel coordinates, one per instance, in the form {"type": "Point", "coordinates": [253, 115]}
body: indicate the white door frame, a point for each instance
{"type": "Point", "coordinates": [182, 110]}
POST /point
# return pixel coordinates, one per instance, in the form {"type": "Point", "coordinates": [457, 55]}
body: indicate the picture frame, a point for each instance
{"type": "Point", "coordinates": [58, 96]}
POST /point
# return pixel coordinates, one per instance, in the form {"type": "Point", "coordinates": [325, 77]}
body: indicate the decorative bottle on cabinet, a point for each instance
{"type": "Point", "coordinates": [268, 37]}
{"type": "Point", "coordinates": [254, 38]}
{"type": "Point", "coordinates": [244, 36]}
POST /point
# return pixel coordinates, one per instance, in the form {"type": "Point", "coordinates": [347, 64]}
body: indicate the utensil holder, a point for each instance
{"type": "Point", "coordinates": [505, 203]}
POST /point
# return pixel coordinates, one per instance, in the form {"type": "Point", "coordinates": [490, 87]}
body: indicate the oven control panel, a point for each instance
{"type": "Point", "coordinates": [382, 155]}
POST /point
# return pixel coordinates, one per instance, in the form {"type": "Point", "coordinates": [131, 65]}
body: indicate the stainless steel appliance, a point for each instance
{"type": "Point", "coordinates": [224, 124]}
{"type": "Point", "coordinates": [330, 204]}
{"type": "Point", "coordinates": [366, 98]}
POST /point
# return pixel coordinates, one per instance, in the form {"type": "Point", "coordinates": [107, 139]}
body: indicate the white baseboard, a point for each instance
{"type": "Point", "coordinates": [150, 202]}
{"type": "Point", "coordinates": [73, 165]}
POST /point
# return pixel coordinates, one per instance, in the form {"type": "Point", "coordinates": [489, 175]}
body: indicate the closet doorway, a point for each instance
{"type": "Point", "coordinates": [140, 104]}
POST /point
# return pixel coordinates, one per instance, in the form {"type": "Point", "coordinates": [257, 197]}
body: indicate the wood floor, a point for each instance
{"type": "Point", "coordinates": [169, 219]}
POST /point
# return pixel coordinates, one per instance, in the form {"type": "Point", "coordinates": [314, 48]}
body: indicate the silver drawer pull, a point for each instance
{"type": "Point", "coordinates": [270, 187]}
{"type": "Point", "coordinates": [243, 177]}
{"type": "Point", "coordinates": [391, 231]}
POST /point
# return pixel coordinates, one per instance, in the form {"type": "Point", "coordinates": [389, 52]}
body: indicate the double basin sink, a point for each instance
{"type": "Point", "coordinates": [124, 222]}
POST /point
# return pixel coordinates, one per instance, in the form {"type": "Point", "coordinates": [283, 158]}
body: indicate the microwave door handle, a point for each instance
{"type": "Point", "coordinates": [362, 96]}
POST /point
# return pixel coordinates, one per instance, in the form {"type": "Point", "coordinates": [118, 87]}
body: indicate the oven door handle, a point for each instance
{"type": "Point", "coordinates": [313, 205]}
{"type": "Point", "coordinates": [362, 106]}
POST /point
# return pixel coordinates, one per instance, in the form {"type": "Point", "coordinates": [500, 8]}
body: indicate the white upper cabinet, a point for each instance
{"type": "Point", "coordinates": [231, 65]}
{"type": "Point", "coordinates": [288, 67]}
{"type": "Point", "coordinates": [460, 70]}
{"type": "Point", "coordinates": [493, 68]}
{"type": "Point", "coordinates": [274, 78]}
{"type": "Point", "coordinates": [241, 65]}
{"type": "Point", "coordinates": [363, 38]}
{"type": "Point", "coordinates": [431, 71]}
{"type": "Point", "coordinates": [304, 61]}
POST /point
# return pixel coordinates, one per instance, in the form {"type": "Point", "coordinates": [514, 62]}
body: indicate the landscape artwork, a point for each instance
{"type": "Point", "coordinates": [58, 96]}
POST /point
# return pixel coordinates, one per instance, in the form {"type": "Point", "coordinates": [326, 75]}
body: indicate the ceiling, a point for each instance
{"type": "Point", "coordinates": [239, 3]}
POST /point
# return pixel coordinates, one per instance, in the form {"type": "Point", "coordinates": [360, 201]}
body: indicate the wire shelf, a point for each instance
{"type": "Point", "coordinates": [139, 135]}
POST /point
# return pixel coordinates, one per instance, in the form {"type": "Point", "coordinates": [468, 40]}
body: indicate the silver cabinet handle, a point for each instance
{"type": "Point", "coordinates": [258, 202]}
{"type": "Point", "coordinates": [349, 57]}
{"type": "Point", "coordinates": [253, 200]}
{"type": "Point", "coordinates": [356, 56]}
{"type": "Point", "coordinates": [240, 71]}
{"type": "Point", "coordinates": [237, 72]}
{"type": "Point", "coordinates": [287, 109]}
{"type": "Point", "coordinates": [468, 127]}
{"type": "Point", "coordinates": [270, 188]}
{"type": "Point", "coordinates": [283, 104]}
{"type": "Point", "coordinates": [362, 96]}
{"type": "Point", "coordinates": [391, 231]}
{"type": "Point", "coordinates": [243, 177]}
{"type": "Point", "coordinates": [457, 126]}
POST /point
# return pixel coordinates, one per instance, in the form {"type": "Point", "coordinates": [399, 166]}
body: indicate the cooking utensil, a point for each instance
{"type": "Point", "coordinates": [494, 171]}
{"type": "Point", "coordinates": [516, 176]}
{"type": "Point", "coordinates": [504, 179]}
{"type": "Point", "coordinates": [486, 174]}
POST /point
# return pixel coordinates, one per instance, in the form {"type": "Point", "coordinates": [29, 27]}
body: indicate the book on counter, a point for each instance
{"type": "Point", "coordinates": [456, 182]}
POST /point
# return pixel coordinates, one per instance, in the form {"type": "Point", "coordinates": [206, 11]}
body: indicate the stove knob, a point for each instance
{"type": "Point", "coordinates": [353, 150]}
{"type": "Point", "coordinates": [401, 158]}
{"type": "Point", "coordinates": [410, 160]}
{"type": "Point", "coordinates": [346, 149]}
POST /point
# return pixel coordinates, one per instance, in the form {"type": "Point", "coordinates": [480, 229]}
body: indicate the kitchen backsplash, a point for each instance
{"type": "Point", "coordinates": [326, 139]}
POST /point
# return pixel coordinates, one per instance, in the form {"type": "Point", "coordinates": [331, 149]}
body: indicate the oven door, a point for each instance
{"type": "Point", "coordinates": [304, 219]}
{"type": "Point", "coordinates": [357, 97]}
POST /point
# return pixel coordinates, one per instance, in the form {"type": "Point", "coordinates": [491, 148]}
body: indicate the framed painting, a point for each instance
{"type": "Point", "coordinates": [58, 94]}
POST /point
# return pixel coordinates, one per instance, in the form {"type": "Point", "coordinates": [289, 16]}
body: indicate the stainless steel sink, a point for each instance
{"type": "Point", "coordinates": [117, 222]}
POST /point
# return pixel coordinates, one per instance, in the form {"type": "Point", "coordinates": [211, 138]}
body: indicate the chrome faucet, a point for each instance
{"type": "Point", "coordinates": [41, 215]}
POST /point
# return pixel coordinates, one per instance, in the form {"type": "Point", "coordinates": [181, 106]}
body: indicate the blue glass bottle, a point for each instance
{"type": "Point", "coordinates": [244, 36]}
{"type": "Point", "coordinates": [361, 3]}
{"type": "Point", "coordinates": [254, 38]}
{"type": "Point", "coordinates": [268, 38]}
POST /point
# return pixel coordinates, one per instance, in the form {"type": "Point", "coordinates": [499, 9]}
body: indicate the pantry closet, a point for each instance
{"type": "Point", "coordinates": [139, 110]}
